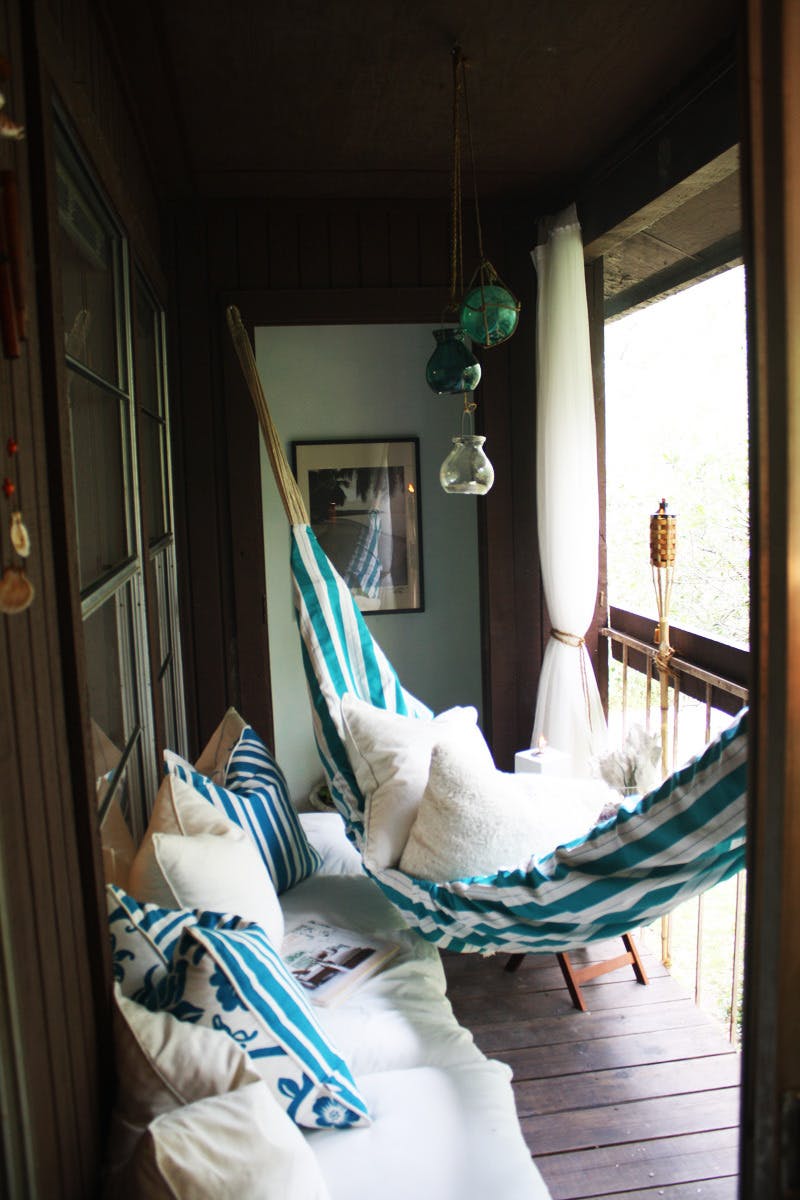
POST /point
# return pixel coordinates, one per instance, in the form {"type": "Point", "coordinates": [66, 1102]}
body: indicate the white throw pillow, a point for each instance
{"type": "Point", "coordinates": [474, 821]}
{"type": "Point", "coordinates": [163, 1063]}
{"type": "Point", "coordinates": [217, 872]}
{"type": "Point", "coordinates": [390, 755]}
{"type": "Point", "coordinates": [179, 808]}
{"type": "Point", "coordinates": [240, 1145]}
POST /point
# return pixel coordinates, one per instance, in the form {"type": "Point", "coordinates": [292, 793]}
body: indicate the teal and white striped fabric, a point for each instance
{"type": "Point", "coordinates": [678, 841]}
{"type": "Point", "coordinates": [339, 655]}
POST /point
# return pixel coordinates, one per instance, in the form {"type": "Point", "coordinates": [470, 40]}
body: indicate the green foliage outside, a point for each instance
{"type": "Point", "coordinates": [676, 427]}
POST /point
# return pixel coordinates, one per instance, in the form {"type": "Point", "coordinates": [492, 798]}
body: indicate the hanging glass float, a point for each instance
{"type": "Point", "coordinates": [467, 471]}
{"type": "Point", "coordinates": [452, 367]}
{"type": "Point", "coordinates": [489, 311]}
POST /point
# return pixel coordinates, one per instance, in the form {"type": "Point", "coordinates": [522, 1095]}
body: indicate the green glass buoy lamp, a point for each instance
{"type": "Point", "coordinates": [452, 367]}
{"type": "Point", "coordinates": [489, 311]}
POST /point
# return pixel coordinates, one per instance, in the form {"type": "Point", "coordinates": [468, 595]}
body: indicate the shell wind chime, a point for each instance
{"type": "Point", "coordinates": [16, 590]}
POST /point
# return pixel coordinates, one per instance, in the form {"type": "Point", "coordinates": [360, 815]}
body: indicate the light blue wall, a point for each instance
{"type": "Point", "coordinates": [365, 381]}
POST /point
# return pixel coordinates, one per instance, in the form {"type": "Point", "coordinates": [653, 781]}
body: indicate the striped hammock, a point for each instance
{"type": "Point", "coordinates": [679, 840]}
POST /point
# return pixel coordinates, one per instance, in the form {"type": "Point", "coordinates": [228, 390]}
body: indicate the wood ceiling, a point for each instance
{"type": "Point", "coordinates": [343, 98]}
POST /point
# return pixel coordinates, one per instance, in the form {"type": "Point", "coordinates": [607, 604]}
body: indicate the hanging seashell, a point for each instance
{"type": "Point", "coordinates": [16, 590]}
{"type": "Point", "coordinates": [9, 127]}
{"type": "Point", "coordinates": [19, 535]}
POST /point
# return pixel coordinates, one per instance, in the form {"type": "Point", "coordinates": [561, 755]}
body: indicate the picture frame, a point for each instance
{"type": "Point", "coordinates": [363, 501]}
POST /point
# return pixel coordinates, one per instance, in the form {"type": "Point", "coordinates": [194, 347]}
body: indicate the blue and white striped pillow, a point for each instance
{"type": "Point", "coordinates": [257, 799]}
{"type": "Point", "coordinates": [235, 981]}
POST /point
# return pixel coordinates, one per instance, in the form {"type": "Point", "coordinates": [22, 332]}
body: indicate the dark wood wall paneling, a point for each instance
{"type": "Point", "coordinates": [513, 609]}
{"type": "Point", "coordinates": [80, 62]}
{"type": "Point", "coordinates": [56, 971]}
{"type": "Point", "coordinates": [56, 962]}
{"type": "Point", "coordinates": [316, 262]}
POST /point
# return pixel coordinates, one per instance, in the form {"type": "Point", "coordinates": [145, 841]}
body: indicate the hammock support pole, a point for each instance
{"type": "Point", "coordinates": [291, 496]}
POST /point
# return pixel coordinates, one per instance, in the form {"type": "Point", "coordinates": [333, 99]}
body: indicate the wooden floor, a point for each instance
{"type": "Point", "coordinates": [635, 1100]}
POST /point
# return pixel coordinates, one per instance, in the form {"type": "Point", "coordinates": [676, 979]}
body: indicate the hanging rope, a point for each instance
{"type": "Point", "coordinates": [291, 496]}
{"type": "Point", "coordinates": [481, 255]}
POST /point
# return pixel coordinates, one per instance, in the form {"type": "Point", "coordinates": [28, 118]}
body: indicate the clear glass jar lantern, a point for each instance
{"type": "Point", "coordinates": [467, 471]}
{"type": "Point", "coordinates": [452, 367]}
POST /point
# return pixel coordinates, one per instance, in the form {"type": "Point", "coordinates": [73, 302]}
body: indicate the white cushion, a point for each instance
{"type": "Point", "coordinates": [326, 833]}
{"type": "Point", "coordinates": [163, 1063]}
{"type": "Point", "coordinates": [240, 1145]}
{"type": "Point", "coordinates": [399, 1017]}
{"type": "Point", "coordinates": [390, 755]}
{"type": "Point", "coordinates": [217, 872]}
{"type": "Point", "coordinates": [474, 821]}
{"type": "Point", "coordinates": [449, 1133]}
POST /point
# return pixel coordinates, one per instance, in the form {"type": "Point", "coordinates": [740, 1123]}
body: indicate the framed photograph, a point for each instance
{"type": "Point", "coordinates": [363, 502]}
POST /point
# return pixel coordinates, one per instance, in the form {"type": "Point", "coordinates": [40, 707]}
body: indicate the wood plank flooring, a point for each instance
{"type": "Point", "coordinates": [638, 1099]}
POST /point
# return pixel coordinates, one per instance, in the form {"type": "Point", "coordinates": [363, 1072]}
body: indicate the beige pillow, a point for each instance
{"type": "Point", "coordinates": [240, 1145]}
{"type": "Point", "coordinates": [220, 872]}
{"type": "Point", "coordinates": [474, 821]}
{"type": "Point", "coordinates": [390, 756]}
{"type": "Point", "coordinates": [214, 757]}
{"type": "Point", "coordinates": [163, 1063]}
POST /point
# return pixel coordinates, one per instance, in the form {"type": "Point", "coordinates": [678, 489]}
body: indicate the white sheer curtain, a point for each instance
{"type": "Point", "coordinates": [569, 713]}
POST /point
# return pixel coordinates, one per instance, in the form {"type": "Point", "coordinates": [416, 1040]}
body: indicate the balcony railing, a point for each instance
{"type": "Point", "coordinates": [707, 683]}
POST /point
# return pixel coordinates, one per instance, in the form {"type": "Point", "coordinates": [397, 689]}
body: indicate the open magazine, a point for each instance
{"type": "Point", "coordinates": [329, 962]}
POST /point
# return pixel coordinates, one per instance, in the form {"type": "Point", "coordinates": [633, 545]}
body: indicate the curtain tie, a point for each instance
{"type": "Point", "coordinates": [572, 639]}
{"type": "Point", "coordinates": [569, 639]}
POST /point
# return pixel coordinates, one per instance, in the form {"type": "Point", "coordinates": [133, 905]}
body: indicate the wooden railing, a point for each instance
{"type": "Point", "coordinates": [715, 674]}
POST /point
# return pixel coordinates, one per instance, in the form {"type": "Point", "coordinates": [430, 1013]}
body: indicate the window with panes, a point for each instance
{"type": "Point", "coordinates": [119, 420]}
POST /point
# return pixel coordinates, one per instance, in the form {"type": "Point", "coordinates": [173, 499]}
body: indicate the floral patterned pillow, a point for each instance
{"type": "Point", "coordinates": [143, 937]}
{"type": "Point", "coordinates": [234, 980]}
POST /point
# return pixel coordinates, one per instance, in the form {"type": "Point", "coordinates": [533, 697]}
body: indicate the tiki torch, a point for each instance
{"type": "Point", "coordinates": [662, 564]}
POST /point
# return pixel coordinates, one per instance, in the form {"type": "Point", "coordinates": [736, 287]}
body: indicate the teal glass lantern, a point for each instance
{"type": "Point", "coordinates": [452, 367]}
{"type": "Point", "coordinates": [489, 312]}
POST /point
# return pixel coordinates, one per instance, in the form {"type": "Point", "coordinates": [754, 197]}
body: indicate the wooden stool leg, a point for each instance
{"type": "Point", "coordinates": [636, 962]}
{"type": "Point", "coordinates": [514, 960]}
{"type": "Point", "coordinates": [571, 980]}
{"type": "Point", "coordinates": [575, 976]}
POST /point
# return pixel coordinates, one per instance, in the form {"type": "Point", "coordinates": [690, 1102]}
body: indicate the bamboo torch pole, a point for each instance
{"type": "Point", "coordinates": [662, 563]}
